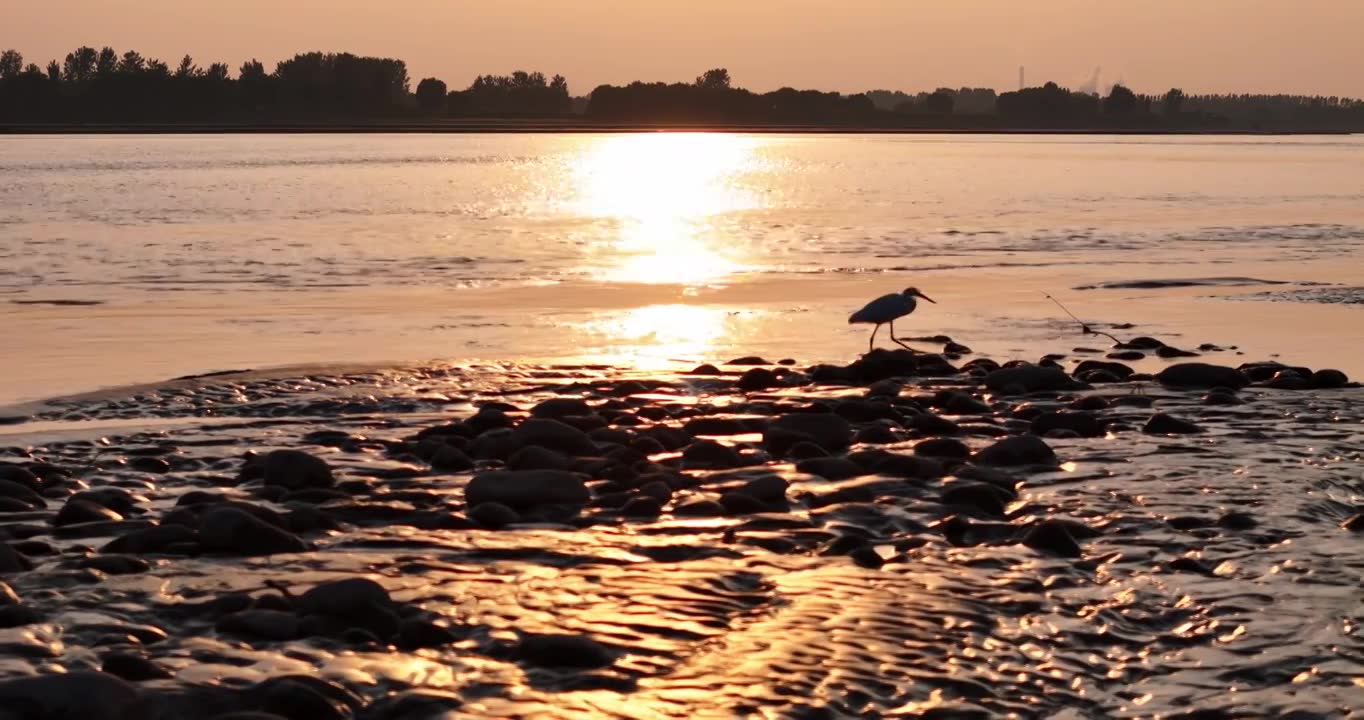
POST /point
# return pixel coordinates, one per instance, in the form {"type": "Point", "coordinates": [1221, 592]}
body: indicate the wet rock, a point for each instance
{"type": "Point", "coordinates": [956, 348]}
{"type": "Point", "coordinates": [449, 458]}
{"type": "Point", "coordinates": [643, 506]}
{"type": "Point", "coordinates": [827, 430]}
{"type": "Point", "coordinates": [116, 564]}
{"type": "Point", "coordinates": [555, 408]}
{"type": "Point", "coordinates": [804, 450]}
{"type": "Point", "coordinates": [298, 696]}
{"type": "Point", "coordinates": [555, 435]}
{"type": "Point", "coordinates": [1082, 424]}
{"type": "Point", "coordinates": [897, 465]}
{"type": "Point", "coordinates": [1163, 424]}
{"type": "Point", "coordinates": [748, 360]}
{"type": "Point", "coordinates": [758, 379]}
{"type": "Point", "coordinates": [943, 448]}
{"type": "Point", "coordinates": [21, 476]}
{"type": "Point", "coordinates": [987, 498]}
{"type": "Point", "coordinates": [1052, 537]}
{"type": "Point", "coordinates": [493, 515]}
{"type": "Point", "coordinates": [79, 694]}
{"type": "Point", "coordinates": [564, 651]}
{"type": "Point", "coordinates": [737, 503]}
{"type": "Point", "coordinates": [80, 511]}
{"type": "Point", "coordinates": [1119, 370]}
{"type": "Point", "coordinates": [1017, 450]}
{"type": "Point", "coordinates": [930, 424]}
{"type": "Point", "coordinates": [1201, 375]}
{"type": "Point", "coordinates": [133, 667]}
{"type": "Point", "coordinates": [296, 470]}
{"type": "Point", "coordinates": [538, 458]}
{"type": "Point", "coordinates": [705, 370]}
{"type": "Point", "coordinates": [1354, 523]}
{"type": "Point", "coordinates": [12, 561]}
{"type": "Point", "coordinates": [889, 388]}
{"type": "Point", "coordinates": [717, 426]}
{"type": "Point", "coordinates": [154, 465]}
{"type": "Point", "coordinates": [1126, 355]}
{"type": "Point", "coordinates": [527, 488]}
{"type": "Point", "coordinates": [13, 616]}
{"type": "Point", "coordinates": [1029, 378]}
{"type": "Point", "coordinates": [425, 704]}
{"type": "Point", "coordinates": [350, 598]}
{"type": "Point", "coordinates": [232, 531]}
{"type": "Point", "coordinates": [1328, 379]}
{"type": "Point", "coordinates": [831, 468]}
{"type": "Point", "coordinates": [1167, 351]}
{"type": "Point", "coordinates": [867, 557]}
{"type": "Point", "coordinates": [1237, 521]}
{"type": "Point", "coordinates": [1221, 397]}
{"type": "Point", "coordinates": [700, 508]}
{"type": "Point", "coordinates": [769, 489]}
{"type": "Point", "coordinates": [1288, 380]}
{"type": "Point", "coordinates": [958, 403]}
{"type": "Point", "coordinates": [117, 499]}
{"type": "Point", "coordinates": [22, 493]}
{"type": "Point", "coordinates": [710, 455]}
{"type": "Point", "coordinates": [876, 435]}
{"type": "Point", "coordinates": [151, 540]}
{"type": "Point", "coordinates": [416, 634]}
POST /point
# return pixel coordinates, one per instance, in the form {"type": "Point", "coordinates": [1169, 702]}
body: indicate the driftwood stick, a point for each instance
{"type": "Point", "coordinates": [1083, 327]}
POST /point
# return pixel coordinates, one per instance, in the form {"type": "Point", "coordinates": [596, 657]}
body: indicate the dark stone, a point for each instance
{"type": "Point", "coordinates": [718, 426]}
{"type": "Point", "coordinates": [535, 457]}
{"type": "Point", "coordinates": [867, 557]}
{"type": "Point", "coordinates": [643, 506]}
{"type": "Point", "coordinates": [1328, 379]}
{"type": "Point", "coordinates": [233, 531]}
{"type": "Point", "coordinates": [1017, 450]}
{"type": "Point", "coordinates": [959, 403]}
{"type": "Point", "coordinates": [827, 430]}
{"type": "Point", "coordinates": [897, 465]}
{"type": "Point", "coordinates": [449, 458]}
{"type": "Point", "coordinates": [567, 651]}
{"type": "Point", "coordinates": [758, 379]}
{"type": "Point", "coordinates": [154, 465]}
{"type": "Point", "coordinates": [710, 455]}
{"type": "Point", "coordinates": [426, 704]}
{"type": "Point", "coordinates": [989, 499]}
{"type": "Point", "coordinates": [150, 540]}
{"type": "Point", "coordinates": [1118, 369]}
{"type": "Point", "coordinates": [12, 561]}
{"type": "Point", "coordinates": [943, 448]}
{"type": "Point", "coordinates": [1221, 397]}
{"type": "Point", "coordinates": [831, 468]}
{"type": "Point", "coordinates": [1289, 380]}
{"type": "Point", "coordinates": [930, 424]}
{"type": "Point", "coordinates": [1082, 424]}
{"type": "Point", "coordinates": [80, 511]}
{"type": "Point", "coordinates": [804, 450]}
{"type": "Point", "coordinates": [21, 476]}
{"type": "Point", "coordinates": [1202, 375]}
{"type": "Point", "coordinates": [117, 499]}
{"type": "Point", "coordinates": [80, 694]}
{"type": "Point", "coordinates": [705, 370]}
{"type": "Point", "coordinates": [1126, 355]}
{"type": "Point", "coordinates": [1237, 521]}
{"type": "Point", "coordinates": [554, 435]}
{"type": "Point", "coordinates": [748, 360]}
{"type": "Point", "coordinates": [555, 408]}
{"type": "Point", "coordinates": [416, 634]}
{"type": "Point", "coordinates": [493, 515]}
{"type": "Point", "coordinates": [1167, 351]}
{"type": "Point", "coordinates": [116, 564]}
{"type": "Point", "coordinates": [12, 616]}
{"type": "Point", "coordinates": [876, 435]}
{"type": "Point", "coordinates": [1162, 424]}
{"type": "Point", "coordinates": [22, 493]}
{"type": "Point", "coordinates": [1029, 378]}
{"type": "Point", "coordinates": [133, 667]}
{"type": "Point", "coordinates": [297, 697]}
{"type": "Point", "coordinates": [737, 503]}
{"type": "Point", "coordinates": [1143, 343]}
{"type": "Point", "coordinates": [769, 488]}
{"type": "Point", "coordinates": [1354, 523]}
{"type": "Point", "coordinates": [527, 488]}
{"type": "Point", "coordinates": [295, 470]}
{"type": "Point", "coordinates": [956, 348]}
{"type": "Point", "coordinates": [1052, 537]}
{"type": "Point", "coordinates": [700, 508]}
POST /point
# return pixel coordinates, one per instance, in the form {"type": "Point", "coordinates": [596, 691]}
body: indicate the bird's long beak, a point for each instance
{"type": "Point", "coordinates": [935, 302]}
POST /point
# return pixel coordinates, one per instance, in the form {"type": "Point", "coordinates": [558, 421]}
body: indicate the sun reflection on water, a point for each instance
{"type": "Point", "coordinates": [660, 333]}
{"type": "Point", "coordinates": [662, 191]}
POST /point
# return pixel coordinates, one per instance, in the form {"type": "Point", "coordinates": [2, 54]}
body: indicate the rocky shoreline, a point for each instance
{"type": "Point", "coordinates": [907, 535]}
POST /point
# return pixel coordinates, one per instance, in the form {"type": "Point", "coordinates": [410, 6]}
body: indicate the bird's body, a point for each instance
{"type": "Point", "coordinates": [886, 309]}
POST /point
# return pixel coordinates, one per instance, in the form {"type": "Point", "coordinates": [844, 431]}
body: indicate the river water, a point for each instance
{"type": "Point", "coordinates": [129, 259]}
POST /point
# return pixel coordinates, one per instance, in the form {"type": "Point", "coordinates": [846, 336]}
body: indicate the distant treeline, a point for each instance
{"type": "Point", "coordinates": [106, 86]}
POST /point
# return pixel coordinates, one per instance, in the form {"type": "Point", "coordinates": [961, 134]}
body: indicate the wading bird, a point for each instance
{"type": "Point", "coordinates": [885, 309]}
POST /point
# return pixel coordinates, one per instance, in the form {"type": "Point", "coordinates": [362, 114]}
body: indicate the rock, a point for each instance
{"type": "Point", "coordinates": [117, 499]}
{"type": "Point", "coordinates": [520, 489]}
{"type": "Point", "coordinates": [1221, 397]}
{"type": "Point", "coordinates": [296, 470]}
{"type": "Point", "coordinates": [13, 616]}
{"type": "Point", "coordinates": [1162, 424]}
{"type": "Point", "coordinates": [449, 458]}
{"type": "Point", "coordinates": [351, 598]}
{"type": "Point", "coordinates": [943, 448]}
{"type": "Point", "coordinates": [233, 531]}
{"type": "Point", "coordinates": [22, 493]}
{"type": "Point", "coordinates": [878, 434]}
{"type": "Point", "coordinates": [700, 508]}
{"type": "Point", "coordinates": [568, 651]}
{"type": "Point", "coordinates": [1167, 351]}
{"type": "Point", "coordinates": [930, 424]}
{"type": "Point", "coordinates": [769, 488]}
{"type": "Point", "coordinates": [1354, 523]}
{"type": "Point", "coordinates": [80, 511]}
{"type": "Point", "coordinates": [80, 694]}
{"type": "Point", "coordinates": [1202, 375]}
{"type": "Point", "coordinates": [827, 430]}
{"type": "Point", "coordinates": [989, 499]}
{"type": "Point", "coordinates": [493, 515]}
{"type": "Point", "coordinates": [1118, 369]}
{"type": "Point", "coordinates": [150, 540]}
{"type": "Point", "coordinates": [116, 564]}
{"type": "Point", "coordinates": [154, 465]}
{"type": "Point", "coordinates": [426, 704]}
{"type": "Point", "coordinates": [133, 667]}
{"type": "Point", "coordinates": [12, 561]}
{"type": "Point", "coordinates": [758, 379]}
{"type": "Point", "coordinates": [1237, 521]}
{"type": "Point", "coordinates": [1052, 537]}
{"type": "Point", "coordinates": [710, 455]}
{"type": "Point", "coordinates": [1083, 424]}
{"type": "Point", "coordinates": [888, 388]}
{"type": "Point", "coordinates": [706, 369]}
{"type": "Point", "coordinates": [643, 506]}
{"type": "Point", "coordinates": [717, 426]}
{"type": "Point", "coordinates": [956, 348]}
{"type": "Point", "coordinates": [1030, 378]}
{"type": "Point", "coordinates": [554, 435]}
{"type": "Point", "coordinates": [1126, 355]}
{"type": "Point", "coordinates": [906, 466]}
{"type": "Point", "coordinates": [1017, 450]}
{"type": "Point", "coordinates": [1288, 380]}
{"type": "Point", "coordinates": [21, 476]}
{"type": "Point", "coordinates": [831, 468]}
{"type": "Point", "coordinates": [1328, 379]}
{"type": "Point", "coordinates": [535, 457]}
{"type": "Point", "coordinates": [416, 634]}
{"type": "Point", "coordinates": [748, 360]}
{"type": "Point", "coordinates": [866, 557]}
{"type": "Point", "coordinates": [555, 408]}
{"type": "Point", "coordinates": [737, 503]}
{"type": "Point", "coordinates": [297, 697]}
{"type": "Point", "coordinates": [959, 403]}
{"type": "Point", "coordinates": [804, 450]}
{"type": "Point", "coordinates": [657, 489]}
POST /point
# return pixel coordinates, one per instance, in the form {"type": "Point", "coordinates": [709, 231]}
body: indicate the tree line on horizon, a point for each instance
{"type": "Point", "coordinates": [105, 86]}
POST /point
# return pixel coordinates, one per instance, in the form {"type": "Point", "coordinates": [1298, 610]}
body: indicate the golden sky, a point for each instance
{"type": "Point", "coordinates": [1300, 46]}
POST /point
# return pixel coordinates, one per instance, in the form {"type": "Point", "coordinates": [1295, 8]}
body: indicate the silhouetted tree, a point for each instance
{"type": "Point", "coordinates": [1120, 101]}
{"type": "Point", "coordinates": [217, 72]}
{"type": "Point", "coordinates": [187, 68]}
{"type": "Point", "coordinates": [54, 71]}
{"type": "Point", "coordinates": [1172, 103]}
{"type": "Point", "coordinates": [79, 65]}
{"type": "Point", "coordinates": [132, 63]}
{"type": "Point", "coordinates": [716, 79]}
{"type": "Point", "coordinates": [939, 103]}
{"type": "Point", "coordinates": [106, 63]}
{"type": "Point", "coordinates": [11, 64]}
{"type": "Point", "coordinates": [431, 95]}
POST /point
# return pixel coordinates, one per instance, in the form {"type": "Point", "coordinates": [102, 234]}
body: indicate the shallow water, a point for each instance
{"type": "Point", "coordinates": [132, 259]}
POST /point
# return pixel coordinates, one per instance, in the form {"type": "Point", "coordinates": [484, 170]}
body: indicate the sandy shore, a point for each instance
{"type": "Point", "coordinates": [907, 535]}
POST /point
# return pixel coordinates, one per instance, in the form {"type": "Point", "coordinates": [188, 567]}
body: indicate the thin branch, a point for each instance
{"type": "Point", "coordinates": [1083, 327]}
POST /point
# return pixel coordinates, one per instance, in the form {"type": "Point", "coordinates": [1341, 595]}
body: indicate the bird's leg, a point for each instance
{"type": "Point", "coordinates": [897, 340]}
{"type": "Point", "coordinates": [871, 344]}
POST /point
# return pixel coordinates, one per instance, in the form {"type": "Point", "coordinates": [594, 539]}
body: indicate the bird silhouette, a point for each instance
{"type": "Point", "coordinates": [886, 309]}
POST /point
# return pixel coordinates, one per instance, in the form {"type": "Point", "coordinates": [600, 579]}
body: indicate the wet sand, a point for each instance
{"type": "Point", "coordinates": [909, 535]}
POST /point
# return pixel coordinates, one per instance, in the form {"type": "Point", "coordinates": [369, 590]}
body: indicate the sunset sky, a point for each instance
{"type": "Point", "coordinates": [1303, 46]}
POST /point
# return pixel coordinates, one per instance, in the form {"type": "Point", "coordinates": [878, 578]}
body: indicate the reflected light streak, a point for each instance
{"type": "Point", "coordinates": [662, 189]}
{"type": "Point", "coordinates": [659, 333]}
